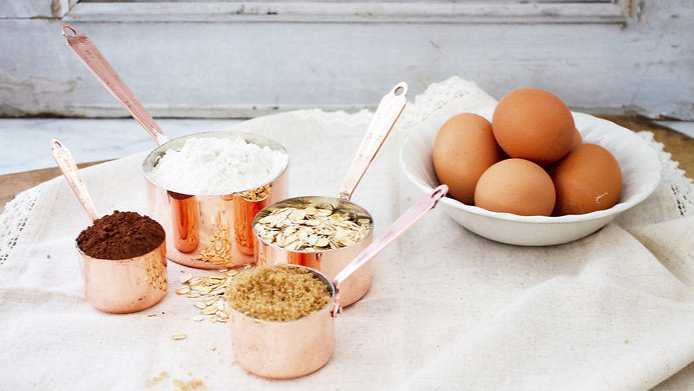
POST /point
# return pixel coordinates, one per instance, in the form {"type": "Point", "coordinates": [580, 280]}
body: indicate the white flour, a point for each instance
{"type": "Point", "coordinates": [212, 165]}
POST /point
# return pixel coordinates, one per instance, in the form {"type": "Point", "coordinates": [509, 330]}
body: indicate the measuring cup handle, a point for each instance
{"type": "Point", "coordinates": [67, 165]}
{"type": "Point", "coordinates": [92, 58]}
{"type": "Point", "coordinates": [399, 227]}
{"type": "Point", "coordinates": [389, 109]}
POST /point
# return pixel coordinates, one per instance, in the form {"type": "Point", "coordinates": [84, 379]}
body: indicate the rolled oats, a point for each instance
{"type": "Point", "coordinates": [212, 290]}
{"type": "Point", "coordinates": [312, 228]}
{"type": "Point", "coordinates": [257, 194]}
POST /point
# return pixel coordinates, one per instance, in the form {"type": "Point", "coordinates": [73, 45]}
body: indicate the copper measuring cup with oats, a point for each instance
{"type": "Point", "coordinates": [326, 233]}
{"type": "Point", "coordinates": [206, 231]}
{"type": "Point", "coordinates": [114, 285]}
{"type": "Point", "coordinates": [298, 347]}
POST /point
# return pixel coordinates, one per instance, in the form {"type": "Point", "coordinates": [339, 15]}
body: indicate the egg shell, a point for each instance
{"type": "Point", "coordinates": [533, 124]}
{"type": "Point", "coordinates": [586, 180]}
{"type": "Point", "coordinates": [516, 186]}
{"type": "Point", "coordinates": [577, 139]}
{"type": "Point", "coordinates": [463, 149]}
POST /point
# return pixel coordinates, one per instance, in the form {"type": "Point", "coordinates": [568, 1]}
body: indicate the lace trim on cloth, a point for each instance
{"type": "Point", "coordinates": [433, 102]}
{"type": "Point", "coordinates": [15, 219]}
{"type": "Point", "coordinates": [682, 187]}
{"type": "Point", "coordinates": [438, 96]}
{"type": "Point", "coordinates": [331, 117]}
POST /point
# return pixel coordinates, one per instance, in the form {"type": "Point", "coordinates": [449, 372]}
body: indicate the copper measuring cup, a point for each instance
{"type": "Point", "coordinates": [207, 231]}
{"type": "Point", "coordinates": [114, 285]}
{"type": "Point", "coordinates": [284, 350]}
{"type": "Point", "coordinates": [332, 261]}
{"type": "Point", "coordinates": [211, 231]}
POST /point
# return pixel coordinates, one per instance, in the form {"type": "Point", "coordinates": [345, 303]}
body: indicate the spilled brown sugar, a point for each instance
{"type": "Point", "coordinates": [121, 235]}
{"type": "Point", "coordinates": [277, 293]}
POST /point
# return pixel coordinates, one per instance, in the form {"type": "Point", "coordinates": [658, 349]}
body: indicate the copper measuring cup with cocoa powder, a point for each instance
{"type": "Point", "coordinates": [331, 261]}
{"type": "Point", "coordinates": [122, 285]}
{"type": "Point", "coordinates": [206, 231]}
{"type": "Point", "coordinates": [289, 349]}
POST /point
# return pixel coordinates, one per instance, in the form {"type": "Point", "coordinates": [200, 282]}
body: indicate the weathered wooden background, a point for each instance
{"type": "Point", "coordinates": [243, 59]}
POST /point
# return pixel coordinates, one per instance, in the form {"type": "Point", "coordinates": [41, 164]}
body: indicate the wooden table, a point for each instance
{"type": "Point", "coordinates": [680, 146]}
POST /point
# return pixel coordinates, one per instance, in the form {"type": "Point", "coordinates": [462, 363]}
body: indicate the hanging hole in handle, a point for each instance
{"type": "Point", "coordinates": [400, 89]}
{"type": "Point", "coordinates": [56, 144]}
{"type": "Point", "coordinates": [439, 192]}
{"type": "Point", "coordinates": [69, 31]}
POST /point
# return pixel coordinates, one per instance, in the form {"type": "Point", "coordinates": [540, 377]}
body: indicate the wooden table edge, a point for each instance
{"type": "Point", "coordinates": [15, 183]}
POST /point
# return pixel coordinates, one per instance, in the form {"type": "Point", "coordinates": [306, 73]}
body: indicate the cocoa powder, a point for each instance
{"type": "Point", "coordinates": [121, 235]}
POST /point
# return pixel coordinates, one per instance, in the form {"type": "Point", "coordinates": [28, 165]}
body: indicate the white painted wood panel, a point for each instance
{"type": "Point", "coordinates": [352, 12]}
{"type": "Point", "coordinates": [35, 8]}
{"type": "Point", "coordinates": [207, 61]}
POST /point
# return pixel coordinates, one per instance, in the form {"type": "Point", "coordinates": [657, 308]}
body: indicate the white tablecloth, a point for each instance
{"type": "Point", "coordinates": [448, 309]}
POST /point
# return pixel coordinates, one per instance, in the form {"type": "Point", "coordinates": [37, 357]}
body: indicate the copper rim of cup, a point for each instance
{"type": "Point", "coordinates": [153, 157]}
{"type": "Point", "coordinates": [337, 204]}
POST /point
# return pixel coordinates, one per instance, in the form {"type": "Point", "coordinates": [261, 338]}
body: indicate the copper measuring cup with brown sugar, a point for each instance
{"type": "Point", "coordinates": [294, 348]}
{"type": "Point", "coordinates": [206, 231]}
{"type": "Point", "coordinates": [330, 260]}
{"type": "Point", "coordinates": [114, 285]}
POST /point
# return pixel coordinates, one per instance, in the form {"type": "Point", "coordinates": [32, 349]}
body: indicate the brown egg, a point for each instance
{"type": "Point", "coordinates": [516, 186]}
{"type": "Point", "coordinates": [464, 148]}
{"type": "Point", "coordinates": [577, 139]}
{"type": "Point", "coordinates": [533, 124]}
{"type": "Point", "coordinates": [586, 180]}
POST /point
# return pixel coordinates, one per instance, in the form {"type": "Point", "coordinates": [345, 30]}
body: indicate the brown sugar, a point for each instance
{"type": "Point", "coordinates": [121, 235]}
{"type": "Point", "coordinates": [278, 293]}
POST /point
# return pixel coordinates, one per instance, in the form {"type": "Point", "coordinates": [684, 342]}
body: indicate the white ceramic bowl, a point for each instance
{"type": "Point", "coordinates": [640, 176]}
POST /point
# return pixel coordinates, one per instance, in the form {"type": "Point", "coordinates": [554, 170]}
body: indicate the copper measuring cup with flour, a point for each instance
{"type": "Point", "coordinates": [212, 231]}
{"type": "Point", "coordinates": [284, 350]}
{"type": "Point", "coordinates": [271, 251]}
{"type": "Point", "coordinates": [206, 231]}
{"type": "Point", "coordinates": [114, 285]}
